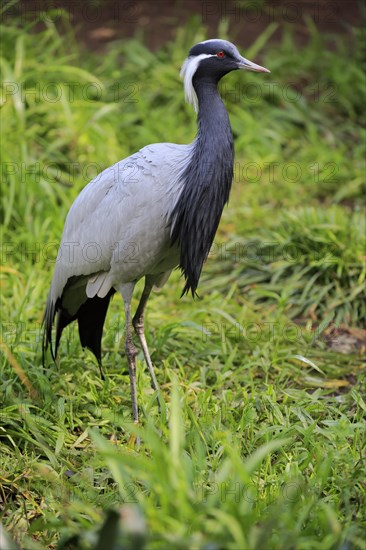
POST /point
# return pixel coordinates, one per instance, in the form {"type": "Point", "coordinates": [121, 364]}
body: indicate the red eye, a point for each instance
{"type": "Point", "coordinates": [220, 54]}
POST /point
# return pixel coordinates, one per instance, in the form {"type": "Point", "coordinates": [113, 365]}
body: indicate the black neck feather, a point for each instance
{"type": "Point", "coordinates": [206, 184]}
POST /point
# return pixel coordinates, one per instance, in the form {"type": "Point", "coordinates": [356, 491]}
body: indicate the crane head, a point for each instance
{"type": "Point", "coordinates": [213, 59]}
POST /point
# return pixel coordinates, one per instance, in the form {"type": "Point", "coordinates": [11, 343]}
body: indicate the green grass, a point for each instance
{"type": "Point", "coordinates": [310, 261]}
{"type": "Point", "coordinates": [261, 442]}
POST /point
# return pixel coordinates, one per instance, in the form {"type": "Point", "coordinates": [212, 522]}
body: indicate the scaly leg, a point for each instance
{"type": "Point", "coordinates": [131, 351]}
{"type": "Point", "coordinates": [138, 324]}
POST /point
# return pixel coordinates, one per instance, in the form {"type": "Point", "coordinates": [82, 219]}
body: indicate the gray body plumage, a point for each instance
{"type": "Point", "coordinates": [118, 230]}
{"type": "Point", "coordinates": [147, 214]}
{"type": "Point", "coordinates": [119, 223]}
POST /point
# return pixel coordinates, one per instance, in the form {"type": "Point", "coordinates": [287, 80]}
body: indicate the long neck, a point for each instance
{"type": "Point", "coordinates": [213, 121]}
{"type": "Point", "coordinates": [206, 184]}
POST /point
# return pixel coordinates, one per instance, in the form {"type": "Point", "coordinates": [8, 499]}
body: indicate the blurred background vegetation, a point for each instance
{"type": "Point", "coordinates": [262, 441]}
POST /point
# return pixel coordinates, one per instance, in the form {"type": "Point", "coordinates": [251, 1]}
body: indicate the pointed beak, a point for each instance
{"type": "Point", "coordinates": [250, 66]}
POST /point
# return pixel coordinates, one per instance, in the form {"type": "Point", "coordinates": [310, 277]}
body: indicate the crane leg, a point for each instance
{"type": "Point", "coordinates": [138, 324]}
{"type": "Point", "coordinates": [130, 348]}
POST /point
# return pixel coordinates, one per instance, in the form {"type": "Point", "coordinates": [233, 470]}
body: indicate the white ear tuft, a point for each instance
{"type": "Point", "coordinates": [187, 72]}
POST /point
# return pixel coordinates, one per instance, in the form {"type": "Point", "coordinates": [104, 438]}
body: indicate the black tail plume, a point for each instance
{"type": "Point", "coordinates": [90, 316]}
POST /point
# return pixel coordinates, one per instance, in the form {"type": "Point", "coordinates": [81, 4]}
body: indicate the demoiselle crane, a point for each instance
{"type": "Point", "coordinates": [146, 215]}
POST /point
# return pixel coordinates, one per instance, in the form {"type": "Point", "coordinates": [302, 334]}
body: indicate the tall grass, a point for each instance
{"type": "Point", "coordinates": [261, 442]}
